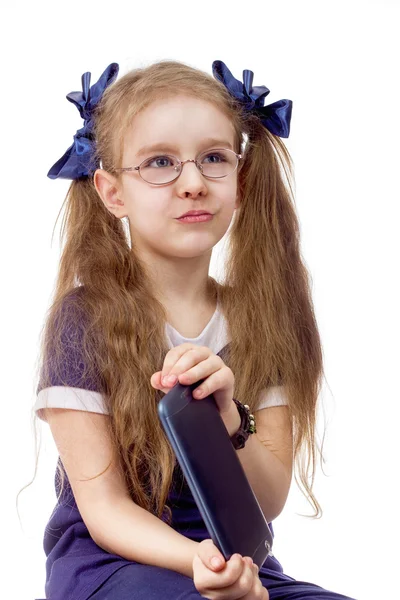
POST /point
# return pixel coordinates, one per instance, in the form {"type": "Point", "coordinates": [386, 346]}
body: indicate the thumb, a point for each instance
{"type": "Point", "coordinates": [155, 381]}
{"type": "Point", "coordinates": [210, 555]}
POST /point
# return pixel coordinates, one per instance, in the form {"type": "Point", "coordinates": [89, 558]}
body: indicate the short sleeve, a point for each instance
{"type": "Point", "coordinates": [65, 381]}
{"type": "Point", "coordinates": [273, 396]}
{"type": "Point", "coordinates": [68, 397]}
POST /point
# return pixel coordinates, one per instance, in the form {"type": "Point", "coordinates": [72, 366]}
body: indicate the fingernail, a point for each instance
{"type": "Point", "coordinates": [216, 562]}
{"type": "Point", "coordinates": [172, 379]}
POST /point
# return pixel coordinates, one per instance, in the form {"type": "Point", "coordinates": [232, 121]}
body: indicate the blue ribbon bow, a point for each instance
{"type": "Point", "coordinates": [78, 159]}
{"type": "Point", "coordinates": [275, 117]}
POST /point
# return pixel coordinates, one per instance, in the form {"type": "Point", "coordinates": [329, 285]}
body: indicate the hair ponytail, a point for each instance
{"type": "Point", "coordinates": [264, 273]}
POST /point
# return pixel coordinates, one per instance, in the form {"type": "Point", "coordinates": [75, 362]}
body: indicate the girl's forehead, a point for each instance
{"type": "Point", "coordinates": [176, 101]}
{"type": "Point", "coordinates": [179, 118]}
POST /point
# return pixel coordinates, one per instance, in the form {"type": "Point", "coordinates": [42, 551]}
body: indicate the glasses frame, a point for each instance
{"type": "Point", "coordinates": [180, 164]}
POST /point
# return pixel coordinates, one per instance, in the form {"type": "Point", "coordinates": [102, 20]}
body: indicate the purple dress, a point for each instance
{"type": "Point", "coordinates": [78, 569]}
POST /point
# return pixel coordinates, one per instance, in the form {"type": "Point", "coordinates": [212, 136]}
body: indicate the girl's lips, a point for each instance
{"type": "Point", "coordinates": [195, 218]}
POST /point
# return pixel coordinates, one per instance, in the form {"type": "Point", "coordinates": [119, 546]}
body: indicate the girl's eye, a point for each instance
{"type": "Point", "coordinates": [159, 161]}
{"type": "Point", "coordinates": [218, 155]}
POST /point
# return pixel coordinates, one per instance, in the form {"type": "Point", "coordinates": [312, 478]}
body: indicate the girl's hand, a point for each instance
{"type": "Point", "coordinates": [189, 363]}
{"type": "Point", "coordinates": [237, 578]}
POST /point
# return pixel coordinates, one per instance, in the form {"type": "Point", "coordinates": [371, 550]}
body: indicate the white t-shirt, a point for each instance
{"type": "Point", "coordinates": [214, 336]}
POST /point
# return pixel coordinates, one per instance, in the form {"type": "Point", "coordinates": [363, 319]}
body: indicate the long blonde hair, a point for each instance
{"type": "Point", "coordinates": [265, 296]}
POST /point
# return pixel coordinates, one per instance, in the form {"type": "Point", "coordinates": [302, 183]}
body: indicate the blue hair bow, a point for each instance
{"type": "Point", "coordinates": [78, 159]}
{"type": "Point", "coordinates": [275, 117]}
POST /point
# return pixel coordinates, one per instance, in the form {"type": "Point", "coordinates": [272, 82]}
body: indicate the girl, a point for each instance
{"type": "Point", "coordinates": [134, 303]}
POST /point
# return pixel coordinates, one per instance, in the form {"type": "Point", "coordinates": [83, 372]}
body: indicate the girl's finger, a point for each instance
{"type": "Point", "coordinates": [251, 564]}
{"type": "Point", "coordinates": [155, 381]}
{"type": "Point", "coordinates": [237, 583]}
{"type": "Point", "coordinates": [221, 385]}
{"type": "Point", "coordinates": [208, 579]}
{"type": "Point", "coordinates": [200, 370]}
{"type": "Point", "coordinates": [257, 591]}
{"type": "Point", "coordinates": [175, 355]}
{"type": "Point", "coordinates": [208, 552]}
{"type": "Point", "coordinates": [249, 560]}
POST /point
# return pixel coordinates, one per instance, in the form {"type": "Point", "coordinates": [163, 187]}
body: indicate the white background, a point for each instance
{"type": "Point", "coordinates": [339, 64]}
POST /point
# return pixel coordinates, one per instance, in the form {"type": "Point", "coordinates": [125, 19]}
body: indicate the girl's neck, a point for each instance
{"type": "Point", "coordinates": [190, 321]}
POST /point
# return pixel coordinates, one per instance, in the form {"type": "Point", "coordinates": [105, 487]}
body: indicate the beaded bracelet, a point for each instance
{"type": "Point", "coordinates": [247, 425]}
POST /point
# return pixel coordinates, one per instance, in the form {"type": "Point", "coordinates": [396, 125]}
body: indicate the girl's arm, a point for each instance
{"type": "Point", "coordinates": [124, 528]}
{"type": "Point", "coordinates": [114, 521]}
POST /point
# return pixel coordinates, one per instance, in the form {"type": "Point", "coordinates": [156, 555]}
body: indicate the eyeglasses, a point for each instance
{"type": "Point", "coordinates": [161, 169]}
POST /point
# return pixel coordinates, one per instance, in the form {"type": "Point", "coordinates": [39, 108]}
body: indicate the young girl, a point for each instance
{"type": "Point", "coordinates": [134, 303]}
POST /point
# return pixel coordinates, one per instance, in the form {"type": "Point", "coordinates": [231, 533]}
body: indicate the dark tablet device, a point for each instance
{"type": "Point", "coordinates": [215, 476]}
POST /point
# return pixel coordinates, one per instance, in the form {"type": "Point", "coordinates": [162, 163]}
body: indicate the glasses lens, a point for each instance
{"type": "Point", "coordinates": [160, 169]}
{"type": "Point", "coordinates": [166, 168]}
{"type": "Point", "coordinates": [217, 163]}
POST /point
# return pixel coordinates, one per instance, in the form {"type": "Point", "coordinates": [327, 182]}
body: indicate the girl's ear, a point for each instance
{"type": "Point", "coordinates": [108, 189]}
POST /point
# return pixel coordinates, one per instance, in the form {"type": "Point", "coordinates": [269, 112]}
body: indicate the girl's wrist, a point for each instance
{"type": "Point", "coordinates": [193, 549]}
{"type": "Point", "coordinates": [232, 419]}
